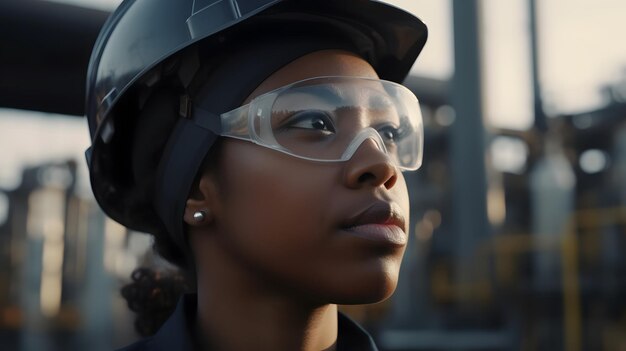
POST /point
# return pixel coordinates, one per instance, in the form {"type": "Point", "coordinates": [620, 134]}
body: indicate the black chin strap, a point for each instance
{"type": "Point", "coordinates": [181, 160]}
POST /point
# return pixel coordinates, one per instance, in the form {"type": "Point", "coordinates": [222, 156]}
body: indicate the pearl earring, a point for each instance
{"type": "Point", "coordinates": [199, 216]}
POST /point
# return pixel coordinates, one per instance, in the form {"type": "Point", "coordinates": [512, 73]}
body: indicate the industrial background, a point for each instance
{"type": "Point", "coordinates": [518, 214]}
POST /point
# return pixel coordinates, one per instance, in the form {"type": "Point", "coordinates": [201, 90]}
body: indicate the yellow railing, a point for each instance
{"type": "Point", "coordinates": [506, 248]}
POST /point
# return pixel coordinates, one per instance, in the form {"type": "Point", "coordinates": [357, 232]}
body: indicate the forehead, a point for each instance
{"type": "Point", "coordinates": [336, 94]}
{"type": "Point", "coordinates": [316, 64]}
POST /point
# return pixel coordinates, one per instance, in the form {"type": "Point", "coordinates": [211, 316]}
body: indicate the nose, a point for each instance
{"type": "Point", "coordinates": [370, 166]}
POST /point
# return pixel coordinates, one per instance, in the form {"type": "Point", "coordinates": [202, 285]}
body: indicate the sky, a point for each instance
{"type": "Point", "coordinates": [580, 50]}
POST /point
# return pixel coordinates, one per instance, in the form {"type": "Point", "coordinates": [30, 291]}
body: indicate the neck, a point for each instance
{"type": "Point", "coordinates": [240, 311]}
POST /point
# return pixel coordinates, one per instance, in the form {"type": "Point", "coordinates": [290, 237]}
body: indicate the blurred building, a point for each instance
{"type": "Point", "coordinates": [518, 235]}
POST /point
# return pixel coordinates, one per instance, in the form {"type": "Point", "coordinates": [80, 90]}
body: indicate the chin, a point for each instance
{"type": "Point", "coordinates": [368, 287]}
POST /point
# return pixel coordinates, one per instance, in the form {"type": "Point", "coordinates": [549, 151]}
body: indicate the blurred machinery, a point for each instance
{"type": "Point", "coordinates": [523, 253]}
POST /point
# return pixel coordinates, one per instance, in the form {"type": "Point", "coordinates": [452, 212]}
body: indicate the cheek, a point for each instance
{"type": "Point", "coordinates": [273, 208]}
{"type": "Point", "coordinates": [280, 220]}
{"type": "Point", "coordinates": [269, 210]}
{"type": "Point", "coordinates": [401, 196]}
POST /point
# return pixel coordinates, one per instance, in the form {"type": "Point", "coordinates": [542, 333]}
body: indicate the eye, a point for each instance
{"type": "Point", "coordinates": [311, 119]}
{"type": "Point", "coordinates": [391, 134]}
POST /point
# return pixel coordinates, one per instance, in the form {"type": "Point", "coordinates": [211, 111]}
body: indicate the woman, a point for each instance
{"type": "Point", "coordinates": [260, 144]}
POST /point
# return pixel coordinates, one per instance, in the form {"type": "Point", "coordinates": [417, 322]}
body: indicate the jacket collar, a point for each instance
{"type": "Point", "coordinates": [176, 333]}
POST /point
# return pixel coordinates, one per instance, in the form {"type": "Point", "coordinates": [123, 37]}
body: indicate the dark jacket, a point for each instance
{"type": "Point", "coordinates": [176, 333]}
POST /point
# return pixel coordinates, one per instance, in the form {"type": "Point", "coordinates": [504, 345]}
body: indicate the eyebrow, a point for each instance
{"type": "Point", "coordinates": [333, 95]}
{"type": "Point", "coordinates": [327, 93]}
{"type": "Point", "coordinates": [380, 100]}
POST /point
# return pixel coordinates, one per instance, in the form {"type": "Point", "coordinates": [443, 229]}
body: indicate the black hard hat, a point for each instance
{"type": "Point", "coordinates": [144, 38]}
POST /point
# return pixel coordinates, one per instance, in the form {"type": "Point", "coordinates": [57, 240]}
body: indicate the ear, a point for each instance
{"type": "Point", "coordinates": [201, 201]}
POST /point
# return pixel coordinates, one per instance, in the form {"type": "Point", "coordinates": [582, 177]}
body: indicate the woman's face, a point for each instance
{"type": "Point", "coordinates": [328, 232]}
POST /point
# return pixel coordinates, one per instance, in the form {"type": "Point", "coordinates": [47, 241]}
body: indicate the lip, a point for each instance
{"type": "Point", "coordinates": [381, 222]}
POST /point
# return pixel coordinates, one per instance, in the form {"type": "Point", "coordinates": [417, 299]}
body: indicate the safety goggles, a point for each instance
{"type": "Point", "coordinates": [326, 119]}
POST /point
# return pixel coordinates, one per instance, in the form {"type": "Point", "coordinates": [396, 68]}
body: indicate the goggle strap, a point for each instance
{"type": "Point", "coordinates": [207, 120]}
{"type": "Point", "coordinates": [261, 109]}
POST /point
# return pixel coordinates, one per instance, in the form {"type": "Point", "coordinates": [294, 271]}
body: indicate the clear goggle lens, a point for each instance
{"type": "Point", "coordinates": [328, 118]}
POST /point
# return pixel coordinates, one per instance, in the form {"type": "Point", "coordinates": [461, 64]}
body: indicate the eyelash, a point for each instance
{"type": "Point", "coordinates": [310, 115]}
{"type": "Point", "coordinates": [398, 133]}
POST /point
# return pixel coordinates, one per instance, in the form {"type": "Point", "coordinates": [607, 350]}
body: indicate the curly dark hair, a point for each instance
{"type": "Point", "coordinates": [153, 295]}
